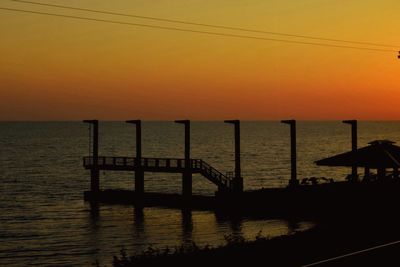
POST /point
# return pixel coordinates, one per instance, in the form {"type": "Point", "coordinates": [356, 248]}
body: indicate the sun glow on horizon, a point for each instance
{"type": "Point", "coordinates": [65, 69]}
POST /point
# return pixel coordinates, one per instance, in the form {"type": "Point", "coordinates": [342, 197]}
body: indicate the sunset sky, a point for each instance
{"type": "Point", "coordinates": [54, 68]}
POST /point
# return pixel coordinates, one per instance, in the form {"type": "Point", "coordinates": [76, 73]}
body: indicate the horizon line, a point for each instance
{"type": "Point", "coordinates": [205, 120]}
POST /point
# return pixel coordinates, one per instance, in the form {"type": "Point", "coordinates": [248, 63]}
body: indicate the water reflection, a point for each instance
{"type": "Point", "coordinates": [112, 228]}
{"type": "Point", "coordinates": [94, 214]}
{"type": "Point", "coordinates": [94, 227]}
{"type": "Point", "coordinates": [138, 219]}
{"type": "Point", "coordinates": [138, 223]}
{"type": "Point", "coordinates": [236, 225]}
{"type": "Point", "coordinates": [187, 226]}
{"type": "Point", "coordinates": [293, 225]}
{"type": "Point", "coordinates": [37, 219]}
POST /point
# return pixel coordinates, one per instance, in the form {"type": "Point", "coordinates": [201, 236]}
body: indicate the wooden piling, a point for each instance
{"type": "Point", "coordinates": [139, 173]}
{"type": "Point", "coordinates": [293, 152]}
{"type": "Point", "coordinates": [238, 179]}
{"type": "Point", "coordinates": [94, 171]}
{"type": "Point", "coordinates": [187, 173]}
{"type": "Point", "coordinates": [353, 124]}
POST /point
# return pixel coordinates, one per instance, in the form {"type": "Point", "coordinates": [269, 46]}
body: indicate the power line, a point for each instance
{"type": "Point", "coordinates": [352, 254]}
{"type": "Point", "coordinates": [207, 25]}
{"type": "Point", "coordinates": [195, 31]}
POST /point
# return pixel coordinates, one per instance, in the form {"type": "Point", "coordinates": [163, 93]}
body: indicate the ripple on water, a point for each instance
{"type": "Point", "coordinates": [44, 221]}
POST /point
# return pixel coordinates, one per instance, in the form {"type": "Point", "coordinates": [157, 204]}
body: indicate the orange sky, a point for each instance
{"type": "Point", "coordinates": [65, 69]}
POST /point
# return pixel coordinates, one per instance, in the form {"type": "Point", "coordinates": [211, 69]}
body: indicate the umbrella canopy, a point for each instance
{"type": "Point", "coordinates": [379, 154]}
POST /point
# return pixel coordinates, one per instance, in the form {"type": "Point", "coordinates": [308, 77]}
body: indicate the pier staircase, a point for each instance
{"type": "Point", "coordinates": [223, 181]}
{"type": "Point", "coordinates": [166, 165]}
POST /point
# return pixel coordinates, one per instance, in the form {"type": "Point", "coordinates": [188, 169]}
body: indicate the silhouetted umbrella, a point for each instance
{"type": "Point", "coordinates": [379, 154]}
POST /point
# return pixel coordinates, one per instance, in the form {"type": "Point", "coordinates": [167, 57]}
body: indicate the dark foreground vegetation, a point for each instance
{"type": "Point", "coordinates": [325, 241]}
{"type": "Point", "coordinates": [349, 217]}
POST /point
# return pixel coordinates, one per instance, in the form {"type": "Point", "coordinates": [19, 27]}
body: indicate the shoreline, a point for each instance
{"type": "Point", "coordinates": [325, 241]}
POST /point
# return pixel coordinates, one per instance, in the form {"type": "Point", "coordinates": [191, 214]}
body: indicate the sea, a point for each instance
{"type": "Point", "coordinates": [44, 220]}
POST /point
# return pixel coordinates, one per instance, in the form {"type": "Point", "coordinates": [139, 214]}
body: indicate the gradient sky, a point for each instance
{"type": "Point", "coordinates": [65, 69]}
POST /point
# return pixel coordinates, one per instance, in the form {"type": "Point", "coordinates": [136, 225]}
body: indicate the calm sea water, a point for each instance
{"type": "Point", "coordinates": [44, 220]}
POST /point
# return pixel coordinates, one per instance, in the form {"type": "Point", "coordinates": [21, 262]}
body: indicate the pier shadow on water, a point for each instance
{"type": "Point", "coordinates": [137, 229]}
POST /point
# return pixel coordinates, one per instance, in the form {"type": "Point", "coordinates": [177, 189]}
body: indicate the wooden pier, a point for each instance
{"type": "Point", "coordinates": [230, 183]}
{"type": "Point", "coordinates": [298, 198]}
{"type": "Point", "coordinates": [165, 165]}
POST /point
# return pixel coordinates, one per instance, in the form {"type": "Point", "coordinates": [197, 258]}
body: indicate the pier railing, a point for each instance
{"type": "Point", "coordinates": [211, 173]}
{"type": "Point", "coordinates": [131, 162]}
{"type": "Point", "coordinates": [174, 165]}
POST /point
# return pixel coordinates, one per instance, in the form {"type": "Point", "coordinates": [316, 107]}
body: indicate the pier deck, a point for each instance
{"type": "Point", "coordinates": [330, 199]}
{"type": "Point", "coordinates": [165, 165]}
{"type": "Point", "coordinates": [296, 198]}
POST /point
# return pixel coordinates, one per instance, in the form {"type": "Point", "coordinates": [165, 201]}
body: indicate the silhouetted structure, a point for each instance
{"type": "Point", "coordinates": [380, 155]}
{"type": "Point", "coordinates": [237, 178]}
{"type": "Point", "coordinates": [94, 170]}
{"type": "Point", "coordinates": [139, 173]}
{"type": "Point", "coordinates": [187, 173]}
{"type": "Point", "coordinates": [139, 165]}
{"type": "Point", "coordinates": [309, 199]}
{"type": "Point", "coordinates": [293, 154]}
{"type": "Point", "coordinates": [353, 123]}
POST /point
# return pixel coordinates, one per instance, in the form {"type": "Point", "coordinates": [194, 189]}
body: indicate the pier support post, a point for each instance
{"type": "Point", "coordinates": [139, 173]}
{"type": "Point", "coordinates": [395, 172]}
{"type": "Point", "coordinates": [381, 173]}
{"type": "Point", "coordinates": [187, 173]}
{"type": "Point", "coordinates": [366, 173]}
{"type": "Point", "coordinates": [293, 153]}
{"type": "Point", "coordinates": [238, 179]}
{"type": "Point", "coordinates": [353, 124]}
{"type": "Point", "coordinates": [94, 171]}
